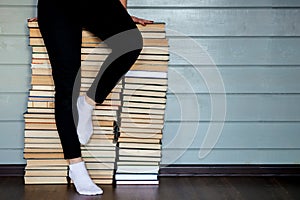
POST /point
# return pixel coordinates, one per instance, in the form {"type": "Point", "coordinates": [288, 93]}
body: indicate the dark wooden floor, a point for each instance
{"type": "Point", "coordinates": [173, 188]}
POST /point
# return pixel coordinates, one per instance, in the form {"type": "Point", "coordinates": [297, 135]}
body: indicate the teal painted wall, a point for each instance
{"type": "Point", "coordinates": [253, 45]}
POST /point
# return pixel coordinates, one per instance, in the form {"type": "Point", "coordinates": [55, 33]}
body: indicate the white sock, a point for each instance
{"type": "Point", "coordinates": [82, 181]}
{"type": "Point", "coordinates": [85, 123]}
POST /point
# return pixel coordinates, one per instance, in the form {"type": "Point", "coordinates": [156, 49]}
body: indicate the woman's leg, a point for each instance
{"type": "Point", "coordinates": [108, 20]}
{"type": "Point", "coordinates": [62, 36]}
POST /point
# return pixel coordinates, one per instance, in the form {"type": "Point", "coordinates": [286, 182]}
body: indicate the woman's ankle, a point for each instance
{"type": "Point", "coordinates": [75, 160]}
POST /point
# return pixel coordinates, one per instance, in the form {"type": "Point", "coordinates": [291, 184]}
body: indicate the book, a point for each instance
{"type": "Point", "coordinates": [45, 180]}
{"type": "Point", "coordinates": [47, 162]}
{"type": "Point", "coordinates": [131, 145]}
{"type": "Point", "coordinates": [137, 118]}
{"type": "Point", "coordinates": [136, 105]}
{"type": "Point", "coordinates": [39, 120]}
{"type": "Point", "coordinates": [137, 163]}
{"type": "Point", "coordinates": [137, 182]}
{"type": "Point", "coordinates": [41, 71]}
{"type": "Point", "coordinates": [46, 93]}
{"type": "Point", "coordinates": [145, 87]}
{"type": "Point", "coordinates": [137, 177]}
{"type": "Point", "coordinates": [138, 169]}
{"type": "Point", "coordinates": [42, 140]}
{"type": "Point", "coordinates": [38, 126]}
{"type": "Point", "coordinates": [43, 150]}
{"type": "Point", "coordinates": [47, 172]}
{"type": "Point", "coordinates": [145, 93]}
{"type": "Point", "coordinates": [144, 99]}
{"type": "Point", "coordinates": [140, 135]}
{"type": "Point", "coordinates": [141, 120]}
{"type": "Point", "coordinates": [50, 155]}
{"type": "Point", "coordinates": [138, 140]}
{"type": "Point", "coordinates": [140, 129]}
{"type": "Point", "coordinates": [142, 125]}
{"type": "Point", "coordinates": [156, 81]}
{"type": "Point", "coordinates": [139, 152]}
{"type": "Point", "coordinates": [41, 80]}
{"type": "Point", "coordinates": [58, 180]}
{"type": "Point", "coordinates": [158, 68]}
{"type": "Point", "coordinates": [147, 111]}
{"type": "Point", "coordinates": [139, 158]}
{"type": "Point", "coordinates": [146, 74]}
{"type": "Point", "coordinates": [96, 154]}
{"type": "Point", "coordinates": [41, 98]}
{"type": "Point", "coordinates": [32, 167]}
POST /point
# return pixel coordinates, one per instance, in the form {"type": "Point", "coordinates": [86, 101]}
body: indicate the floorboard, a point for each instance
{"type": "Point", "coordinates": [173, 188]}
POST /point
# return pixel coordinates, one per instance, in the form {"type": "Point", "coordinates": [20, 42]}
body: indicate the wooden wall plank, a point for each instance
{"type": "Point", "coordinates": [191, 22]}
{"type": "Point", "coordinates": [235, 135]}
{"type": "Point", "coordinates": [11, 156]}
{"type": "Point", "coordinates": [16, 78]}
{"type": "Point", "coordinates": [185, 3]}
{"type": "Point", "coordinates": [239, 107]}
{"type": "Point", "coordinates": [235, 51]}
{"type": "Point", "coordinates": [236, 79]}
{"type": "Point", "coordinates": [21, 3]}
{"type": "Point", "coordinates": [12, 23]}
{"type": "Point", "coordinates": [12, 134]}
{"type": "Point", "coordinates": [232, 156]}
{"type": "Point", "coordinates": [13, 105]}
{"type": "Point", "coordinates": [15, 50]}
{"type": "Point", "coordinates": [226, 22]}
{"type": "Point", "coordinates": [219, 51]}
{"type": "Point", "coordinates": [213, 3]}
{"type": "Point", "coordinates": [196, 107]}
{"type": "Point", "coordinates": [189, 79]}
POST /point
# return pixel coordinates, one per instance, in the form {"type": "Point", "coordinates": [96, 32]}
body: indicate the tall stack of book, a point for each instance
{"type": "Point", "coordinates": [142, 112]}
{"type": "Point", "coordinates": [127, 126]}
{"type": "Point", "coordinates": [43, 152]}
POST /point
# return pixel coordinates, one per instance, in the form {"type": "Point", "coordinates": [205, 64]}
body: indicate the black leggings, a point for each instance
{"type": "Point", "coordinates": [61, 24]}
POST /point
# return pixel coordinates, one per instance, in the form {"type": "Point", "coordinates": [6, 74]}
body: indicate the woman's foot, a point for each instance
{"type": "Point", "coordinates": [82, 181]}
{"type": "Point", "coordinates": [85, 122]}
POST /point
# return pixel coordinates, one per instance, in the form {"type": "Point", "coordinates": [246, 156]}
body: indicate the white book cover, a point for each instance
{"type": "Point", "coordinates": [144, 182]}
{"type": "Point", "coordinates": [138, 169]}
{"type": "Point", "coordinates": [44, 66]}
{"type": "Point", "coordinates": [146, 74]}
{"type": "Point", "coordinates": [136, 176]}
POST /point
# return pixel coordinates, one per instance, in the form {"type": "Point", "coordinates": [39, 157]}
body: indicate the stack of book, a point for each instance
{"type": "Point", "coordinates": [43, 152]}
{"type": "Point", "coordinates": [126, 145]}
{"type": "Point", "coordinates": [142, 112]}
